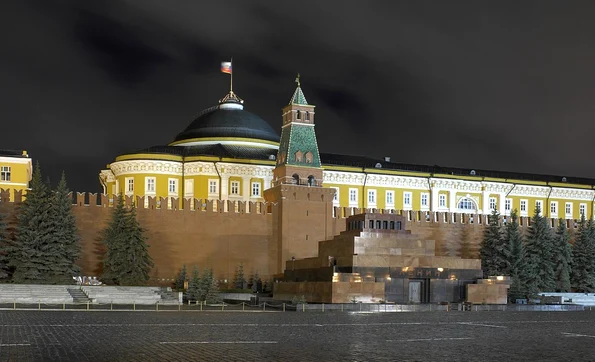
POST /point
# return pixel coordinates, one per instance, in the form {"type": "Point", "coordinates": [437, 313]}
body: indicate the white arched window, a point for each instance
{"type": "Point", "coordinates": [466, 204]}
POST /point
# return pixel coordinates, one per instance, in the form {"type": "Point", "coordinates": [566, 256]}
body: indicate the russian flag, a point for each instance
{"type": "Point", "coordinates": [226, 67]}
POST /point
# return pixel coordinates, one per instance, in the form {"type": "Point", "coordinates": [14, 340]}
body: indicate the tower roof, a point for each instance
{"type": "Point", "coordinates": [298, 96]}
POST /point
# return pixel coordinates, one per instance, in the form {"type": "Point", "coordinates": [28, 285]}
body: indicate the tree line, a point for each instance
{"type": "Point", "coordinates": [542, 259]}
{"type": "Point", "coordinates": [40, 243]}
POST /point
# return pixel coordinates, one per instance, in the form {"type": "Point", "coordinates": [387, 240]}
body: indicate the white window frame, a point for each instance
{"type": "Point", "coordinates": [523, 207]}
{"type": "Point", "coordinates": [442, 201]}
{"type": "Point", "coordinates": [148, 189]}
{"type": "Point", "coordinates": [172, 182]}
{"type": "Point", "coordinates": [234, 188]}
{"type": "Point", "coordinates": [5, 174]}
{"type": "Point", "coordinates": [582, 210]}
{"type": "Point", "coordinates": [493, 203]}
{"type": "Point", "coordinates": [407, 200]}
{"type": "Point", "coordinates": [540, 203]}
{"type": "Point", "coordinates": [568, 210]}
{"type": "Point", "coordinates": [424, 201]}
{"type": "Point", "coordinates": [390, 199]}
{"type": "Point", "coordinates": [553, 208]}
{"type": "Point", "coordinates": [188, 188]}
{"type": "Point", "coordinates": [255, 187]}
{"type": "Point", "coordinates": [129, 185]}
{"type": "Point", "coordinates": [507, 206]}
{"type": "Point", "coordinates": [213, 187]}
{"type": "Point", "coordinates": [336, 199]}
{"type": "Point", "coordinates": [353, 197]}
{"type": "Point", "coordinates": [371, 198]}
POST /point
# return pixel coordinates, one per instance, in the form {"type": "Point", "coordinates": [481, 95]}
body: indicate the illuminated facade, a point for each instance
{"type": "Point", "coordinates": [228, 153]}
{"type": "Point", "coordinates": [15, 171]}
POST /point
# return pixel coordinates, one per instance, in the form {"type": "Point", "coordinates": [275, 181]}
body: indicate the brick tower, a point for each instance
{"type": "Point", "coordinates": [304, 207]}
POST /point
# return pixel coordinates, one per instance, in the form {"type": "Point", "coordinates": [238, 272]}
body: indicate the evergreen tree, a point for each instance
{"type": "Point", "coordinates": [492, 248]}
{"type": "Point", "coordinates": [239, 280]}
{"type": "Point", "coordinates": [514, 250]}
{"type": "Point", "coordinates": [583, 266]}
{"type": "Point", "coordinates": [113, 236]}
{"type": "Point", "coordinates": [194, 285]}
{"type": "Point", "coordinates": [563, 257]}
{"type": "Point", "coordinates": [127, 261]}
{"type": "Point", "coordinates": [34, 253]}
{"type": "Point", "coordinates": [66, 238]}
{"type": "Point", "coordinates": [212, 294]}
{"type": "Point", "coordinates": [205, 283]}
{"type": "Point", "coordinates": [5, 246]}
{"type": "Point", "coordinates": [139, 262]}
{"type": "Point", "coordinates": [254, 281]}
{"type": "Point", "coordinates": [181, 279]}
{"type": "Point", "coordinates": [540, 255]}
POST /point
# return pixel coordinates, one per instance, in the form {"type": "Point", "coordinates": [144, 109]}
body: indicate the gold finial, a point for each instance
{"type": "Point", "coordinates": [297, 79]}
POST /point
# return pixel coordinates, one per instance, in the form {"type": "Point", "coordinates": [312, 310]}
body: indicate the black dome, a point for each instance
{"type": "Point", "coordinates": [218, 122]}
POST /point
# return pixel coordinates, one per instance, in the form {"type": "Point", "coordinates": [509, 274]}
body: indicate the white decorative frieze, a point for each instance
{"type": "Point", "coordinates": [572, 194]}
{"type": "Point", "coordinates": [530, 190]}
{"type": "Point", "coordinates": [458, 185]}
{"type": "Point", "coordinates": [146, 166]}
{"type": "Point", "coordinates": [497, 187]}
{"type": "Point", "coordinates": [343, 178]}
{"type": "Point", "coordinates": [107, 176]}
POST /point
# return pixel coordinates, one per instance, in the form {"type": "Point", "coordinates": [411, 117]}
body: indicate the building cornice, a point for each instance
{"type": "Point", "coordinates": [159, 167]}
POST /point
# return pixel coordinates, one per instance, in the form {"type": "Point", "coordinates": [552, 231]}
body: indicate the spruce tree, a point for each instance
{"type": "Point", "coordinates": [492, 248]}
{"type": "Point", "coordinates": [66, 238]}
{"type": "Point", "coordinates": [205, 284]}
{"type": "Point", "coordinates": [540, 255]}
{"type": "Point", "coordinates": [239, 280]}
{"type": "Point", "coordinates": [113, 236]}
{"type": "Point", "coordinates": [212, 294]}
{"type": "Point", "coordinates": [194, 292]}
{"type": "Point", "coordinates": [5, 246]}
{"type": "Point", "coordinates": [563, 257]}
{"type": "Point", "coordinates": [583, 266]}
{"type": "Point", "coordinates": [138, 261]}
{"type": "Point", "coordinates": [181, 279]}
{"type": "Point", "coordinates": [514, 250]}
{"type": "Point", "coordinates": [33, 253]}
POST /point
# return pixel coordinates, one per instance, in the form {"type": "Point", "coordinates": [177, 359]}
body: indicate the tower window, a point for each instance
{"type": "Point", "coordinates": [309, 157]}
{"type": "Point", "coordinates": [296, 179]}
{"type": "Point", "coordinates": [307, 116]}
{"type": "Point", "coordinates": [5, 173]}
{"type": "Point", "coordinates": [298, 115]}
{"type": "Point", "coordinates": [311, 181]}
{"type": "Point", "coordinates": [298, 156]}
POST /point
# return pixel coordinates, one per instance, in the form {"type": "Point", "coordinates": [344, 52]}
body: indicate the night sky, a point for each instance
{"type": "Point", "coordinates": [502, 85]}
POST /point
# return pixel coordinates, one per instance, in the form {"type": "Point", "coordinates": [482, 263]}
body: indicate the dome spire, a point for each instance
{"type": "Point", "coordinates": [298, 96]}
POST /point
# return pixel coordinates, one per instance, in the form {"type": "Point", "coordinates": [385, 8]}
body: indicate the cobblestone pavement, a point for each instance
{"type": "Point", "coordinates": [331, 336]}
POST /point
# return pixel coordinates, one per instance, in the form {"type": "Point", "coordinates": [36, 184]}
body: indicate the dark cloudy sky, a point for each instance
{"type": "Point", "coordinates": [505, 85]}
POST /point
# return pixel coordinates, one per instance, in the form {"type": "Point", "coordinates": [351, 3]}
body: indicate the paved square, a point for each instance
{"type": "Point", "coordinates": [295, 336]}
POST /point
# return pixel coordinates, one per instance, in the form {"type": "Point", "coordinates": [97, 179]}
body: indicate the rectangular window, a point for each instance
{"type": "Point", "coordinates": [172, 187]}
{"type": "Point", "coordinates": [492, 203]}
{"type": "Point", "coordinates": [539, 205]}
{"type": "Point", "coordinates": [390, 198]}
{"type": "Point", "coordinates": [129, 185]}
{"type": "Point", "coordinates": [406, 199]}
{"type": "Point", "coordinates": [568, 210]}
{"type": "Point", "coordinates": [371, 197]}
{"type": "Point", "coordinates": [352, 196]}
{"type": "Point", "coordinates": [553, 207]}
{"type": "Point", "coordinates": [582, 210]}
{"type": "Point", "coordinates": [213, 187]}
{"type": "Point", "coordinates": [5, 173]}
{"type": "Point", "coordinates": [441, 200]}
{"type": "Point", "coordinates": [425, 200]}
{"type": "Point", "coordinates": [336, 197]}
{"type": "Point", "coordinates": [188, 188]}
{"type": "Point", "coordinates": [255, 189]}
{"type": "Point", "coordinates": [150, 185]}
{"type": "Point", "coordinates": [507, 204]}
{"type": "Point", "coordinates": [523, 206]}
{"type": "Point", "coordinates": [235, 188]}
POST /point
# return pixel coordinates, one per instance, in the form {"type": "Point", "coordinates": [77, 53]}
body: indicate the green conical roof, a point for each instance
{"type": "Point", "coordinates": [298, 97]}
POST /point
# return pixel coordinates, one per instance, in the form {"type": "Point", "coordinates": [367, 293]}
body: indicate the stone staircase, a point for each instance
{"type": "Point", "coordinates": [78, 295]}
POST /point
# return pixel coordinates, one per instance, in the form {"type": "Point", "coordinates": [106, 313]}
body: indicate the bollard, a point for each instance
{"type": "Point", "coordinates": [38, 305]}
{"type": "Point", "coordinates": [303, 307]}
{"type": "Point", "coordinates": [87, 305]}
{"type": "Point", "coordinates": [111, 305]}
{"type": "Point", "coordinates": [284, 307]}
{"type": "Point", "coordinates": [264, 306]}
{"type": "Point", "coordinates": [179, 306]}
{"type": "Point", "coordinates": [134, 306]}
{"type": "Point", "coordinates": [200, 306]}
{"type": "Point", "coordinates": [63, 306]}
{"type": "Point", "coordinates": [341, 307]}
{"type": "Point", "coordinates": [157, 306]}
{"type": "Point", "coordinates": [14, 304]}
{"type": "Point", "coordinates": [188, 301]}
{"type": "Point", "coordinates": [323, 307]}
{"type": "Point", "coordinates": [243, 306]}
{"type": "Point", "coordinates": [222, 306]}
{"type": "Point", "coordinates": [360, 307]}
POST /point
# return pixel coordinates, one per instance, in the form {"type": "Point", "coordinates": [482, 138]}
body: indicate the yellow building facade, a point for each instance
{"type": "Point", "coordinates": [228, 153]}
{"type": "Point", "coordinates": [16, 171]}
